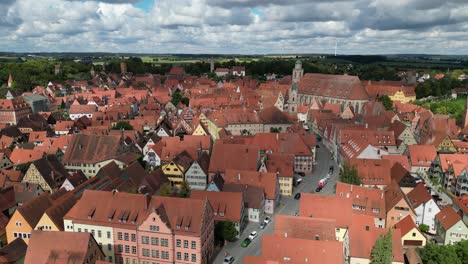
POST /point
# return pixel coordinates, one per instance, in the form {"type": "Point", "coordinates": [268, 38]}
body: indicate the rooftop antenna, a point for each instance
{"type": "Point", "coordinates": [336, 46]}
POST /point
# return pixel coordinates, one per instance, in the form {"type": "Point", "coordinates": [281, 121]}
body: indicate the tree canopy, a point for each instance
{"type": "Point", "coordinates": [229, 231]}
{"type": "Point", "coordinates": [441, 254]}
{"type": "Point", "coordinates": [386, 101]}
{"type": "Point", "coordinates": [122, 125]}
{"type": "Point", "coordinates": [349, 174]}
{"type": "Point", "coordinates": [382, 252]}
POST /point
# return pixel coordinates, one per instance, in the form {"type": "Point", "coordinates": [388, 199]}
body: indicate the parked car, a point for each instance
{"type": "Point", "coordinates": [297, 196]}
{"type": "Point", "coordinates": [302, 174]}
{"type": "Point", "coordinates": [228, 260]}
{"type": "Point", "coordinates": [253, 235]}
{"type": "Point", "coordinates": [298, 181]}
{"type": "Point", "coordinates": [318, 189]}
{"type": "Point", "coordinates": [267, 220]}
{"type": "Point", "coordinates": [317, 146]}
{"type": "Point", "coordinates": [262, 225]}
{"type": "Point", "coordinates": [246, 242]}
{"type": "Point", "coordinates": [331, 169]}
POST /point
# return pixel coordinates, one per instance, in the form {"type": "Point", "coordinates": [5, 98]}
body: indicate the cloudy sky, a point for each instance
{"type": "Point", "coordinates": [235, 26]}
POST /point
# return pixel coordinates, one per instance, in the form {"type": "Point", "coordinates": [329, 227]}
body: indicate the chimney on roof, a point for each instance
{"type": "Point", "coordinates": [367, 125]}
{"type": "Point", "coordinates": [381, 195]}
{"type": "Point", "coordinates": [114, 191]}
{"type": "Point", "coordinates": [147, 201]}
{"type": "Point", "coordinates": [52, 175]}
{"type": "Point", "coordinates": [285, 234]}
{"type": "Point", "coordinates": [277, 136]}
{"type": "Point", "coordinates": [238, 176]}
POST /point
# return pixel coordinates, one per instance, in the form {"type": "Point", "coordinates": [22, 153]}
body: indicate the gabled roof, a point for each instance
{"type": "Point", "coordinates": [447, 217]}
{"type": "Point", "coordinates": [14, 251]}
{"type": "Point", "coordinates": [422, 155]}
{"type": "Point", "coordinates": [370, 200]}
{"type": "Point", "coordinates": [267, 181]}
{"type": "Point", "coordinates": [227, 206]}
{"type": "Point", "coordinates": [33, 209]}
{"type": "Point", "coordinates": [273, 115]}
{"type": "Point", "coordinates": [233, 156]}
{"type": "Point", "coordinates": [462, 203]}
{"type": "Point", "coordinates": [405, 225]}
{"type": "Point", "coordinates": [336, 86]}
{"type": "Point", "coordinates": [393, 195]}
{"type": "Point", "coordinates": [301, 251]}
{"type": "Point", "coordinates": [58, 247]}
{"type": "Point", "coordinates": [51, 170]}
{"type": "Point", "coordinates": [419, 195]}
{"type": "Point", "coordinates": [82, 149]}
{"type": "Point", "coordinates": [305, 227]}
{"type": "Point", "coordinates": [327, 207]}
{"type": "Point", "coordinates": [125, 210]}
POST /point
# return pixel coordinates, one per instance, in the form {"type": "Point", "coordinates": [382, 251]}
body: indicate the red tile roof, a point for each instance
{"type": "Point", "coordinates": [335, 86]}
{"type": "Point", "coordinates": [293, 250]}
{"type": "Point", "coordinates": [136, 208]}
{"type": "Point", "coordinates": [462, 202]}
{"type": "Point", "coordinates": [405, 225]}
{"type": "Point", "coordinates": [305, 227]}
{"type": "Point", "coordinates": [447, 217]}
{"type": "Point", "coordinates": [328, 207]}
{"type": "Point", "coordinates": [267, 181]}
{"type": "Point", "coordinates": [374, 171]}
{"type": "Point", "coordinates": [227, 206]}
{"type": "Point", "coordinates": [82, 148]}
{"type": "Point", "coordinates": [58, 247]}
{"type": "Point", "coordinates": [370, 200]}
{"type": "Point", "coordinates": [422, 155]}
{"type": "Point", "coordinates": [419, 195]}
{"type": "Point", "coordinates": [233, 156]}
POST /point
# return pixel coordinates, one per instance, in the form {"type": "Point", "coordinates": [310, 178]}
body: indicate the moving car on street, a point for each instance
{"type": "Point", "coordinates": [297, 196]}
{"type": "Point", "coordinates": [246, 242]}
{"type": "Point", "coordinates": [228, 260]}
{"type": "Point", "coordinates": [253, 235]}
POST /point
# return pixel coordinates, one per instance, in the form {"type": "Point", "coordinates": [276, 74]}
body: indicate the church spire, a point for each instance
{"type": "Point", "coordinates": [10, 80]}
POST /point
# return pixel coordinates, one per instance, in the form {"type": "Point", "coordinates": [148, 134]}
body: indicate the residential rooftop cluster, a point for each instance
{"type": "Point", "coordinates": [127, 168]}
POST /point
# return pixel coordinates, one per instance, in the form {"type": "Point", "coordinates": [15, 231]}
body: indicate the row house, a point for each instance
{"type": "Point", "coordinates": [77, 111]}
{"type": "Point", "coordinates": [448, 167]}
{"type": "Point", "coordinates": [365, 201]}
{"type": "Point", "coordinates": [424, 206]}
{"type": "Point", "coordinates": [54, 247]}
{"type": "Point", "coordinates": [43, 212]}
{"type": "Point", "coordinates": [12, 110]}
{"type": "Point", "coordinates": [47, 172]}
{"type": "Point", "coordinates": [397, 205]}
{"type": "Point", "coordinates": [233, 156]}
{"type": "Point", "coordinates": [421, 158]}
{"type": "Point", "coordinates": [82, 154]}
{"type": "Point", "coordinates": [403, 133]}
{"type": "Point", "coordinates": [254, 199]}
{"type": "Point", "coordinates": [137, 228]}
{"type": "Point", "coordinates": [196, 175]}
{"type": "Point", "coordinates": [283, 166]}
{"type": "Point", "coordinates": [450, 226]}
{"type": "Point", "coordinates": [460, 205]}
{"type": "Point", "coordinates": [227, 207]}
{"type": "Point", "coordinates": [374, 173]}
{"type": "Point", "coordinates": [461, 187]}
{"type": "Point", "coordinates": [357, 150]}
{"type": "Point", "coordinates": [393, 89]}
{"type": "Point", "coordinates": [267, 181]}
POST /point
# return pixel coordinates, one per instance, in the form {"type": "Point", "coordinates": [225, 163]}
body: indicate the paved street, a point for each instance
{"type": "Point", "coordinates": [288, 206]}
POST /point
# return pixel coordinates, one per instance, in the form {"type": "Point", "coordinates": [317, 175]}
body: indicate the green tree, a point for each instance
{"type": "Point", "coordinates": [122, 125]}
{"type": "Point", "coordinates": [166, 190]}
{"type": "Point", "coordinates": [349, 174]}
{"type": "Point", "coordinates": [229, 231]}
{"type": "Point", "coordinates": [386, 101]}
{"type": "Point", "coordinates": [184, 190]}
{"type": "Point", "coordinates": [441, 254]}
{"type": "Point", "coordinates": [382, 252]}
{"type": "Point", "coordinates": [176, 97]}
{"type": "Point", "coordinates": [424, 228]}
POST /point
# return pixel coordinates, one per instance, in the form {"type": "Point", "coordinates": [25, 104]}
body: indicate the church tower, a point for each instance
{"type": "Point", "coordinates": [465, 117]}
{"type": "Point", "coordinates": [292, 101]}
{"type": "Point", "coordinates": [58, 69]}
{"type": "Point", "coordinates": [123, 66]}
{"type": "Point", "coordinates": [298, 72]}
{"type": "Point", "coordinates": [92, 71]}
{"type": "Point", "coordinates": [10, 81]}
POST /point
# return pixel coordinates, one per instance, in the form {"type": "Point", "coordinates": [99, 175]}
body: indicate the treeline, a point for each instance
{"type": "Point", "coordinates": [440, 254]}
{"type": "Point", "coordinates": [438, 87]}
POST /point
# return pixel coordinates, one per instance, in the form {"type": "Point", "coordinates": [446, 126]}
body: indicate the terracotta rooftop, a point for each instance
{"type": "Point", "coordinates": [462, 202]}
{"type": "Point", "coordinates": [305, 227]}
{"type": "Point", "coordinates": [419, 195]}
{"type": "Point", "coordinates": [58, 247]}
{"type": "Point", "coordinates": [294, 250]}
{"type": "Point", "coordinates": [125, 210]}
{"type": "Point", "coordinates": [405, 225]}
{"type": "Point", "coordinates": [233, 156]}
{"type": "Point", "coordinates": [447, 217]}
{"type": "Point", "coordinates": [327, 207]}
{"type": "Point", "coordinates": [13, 252]}
{"type": "Point", "coordinates": [422, 155]}
{"type": "Point", "coordinates": [82, 149]}
{"type": "Point", "coordinates": [370, 201]}
{"type": "Point", "coordinates": [267, 181]}
{"type": "Point", "coordinates": [253, 196]}
{"type": "Point", "coordinates": [227, 206]}
{"type": "Point", "coordinates": [335, 86]}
